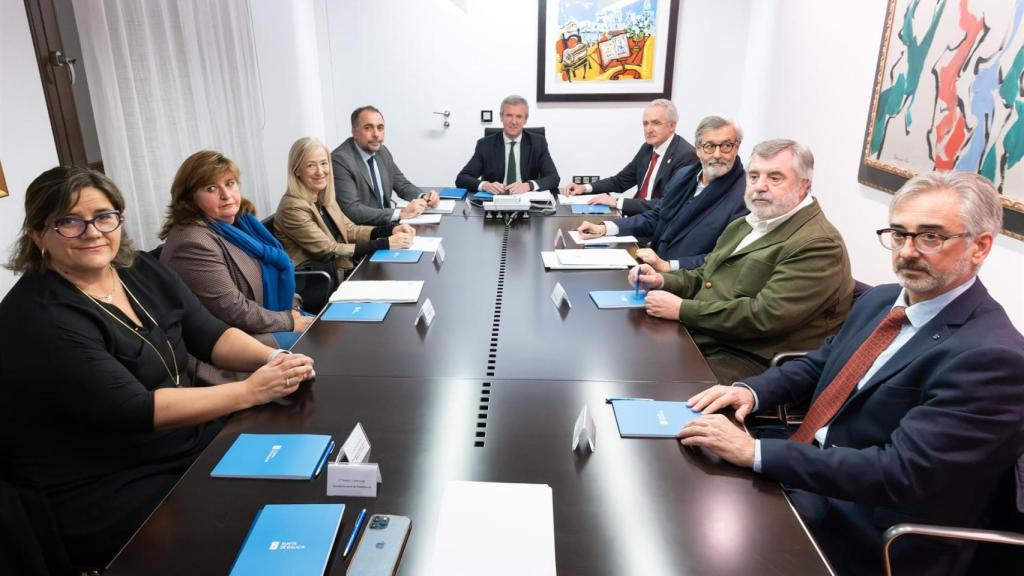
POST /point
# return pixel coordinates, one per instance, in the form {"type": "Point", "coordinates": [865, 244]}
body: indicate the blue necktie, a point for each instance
{"type": "Point", "coordinates": [373, 180]}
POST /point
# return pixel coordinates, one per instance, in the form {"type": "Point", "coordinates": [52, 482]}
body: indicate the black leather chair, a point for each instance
{"type": "Point", "coordinates": [539, 130]}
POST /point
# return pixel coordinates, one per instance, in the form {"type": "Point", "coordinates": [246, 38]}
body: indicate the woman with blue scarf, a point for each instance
{"type": "Point", "coordinates": [233, 264]}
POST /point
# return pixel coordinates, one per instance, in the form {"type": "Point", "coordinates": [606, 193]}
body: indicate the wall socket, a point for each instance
{"type": "Point", "coordinates": [585, 179]}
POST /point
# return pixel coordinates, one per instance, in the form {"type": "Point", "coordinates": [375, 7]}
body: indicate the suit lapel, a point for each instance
{"type": "Point", "coordinates": [499, 156]}
{"type": "Point", "coordinates": [666, 164]}
{"type": "Point", "coordinates": [365, 169]}
{"type": "Point", "coordinates": [524, 157]}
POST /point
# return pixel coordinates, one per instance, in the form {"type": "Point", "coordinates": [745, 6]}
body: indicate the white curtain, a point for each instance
{"type": "Point", "coordinates": [169, 78]}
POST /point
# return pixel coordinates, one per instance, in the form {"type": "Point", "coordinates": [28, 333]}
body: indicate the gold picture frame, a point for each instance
{"type": "Point", "coordinates": [3, 183]}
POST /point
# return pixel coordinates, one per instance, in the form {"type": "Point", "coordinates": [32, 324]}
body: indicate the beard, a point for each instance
{"type": "Point", "coordinates": [717, 168]}
{"type": "Point", "coordinates": [926, 280]}
{"type": "Point", "coordinates": [775, 207]}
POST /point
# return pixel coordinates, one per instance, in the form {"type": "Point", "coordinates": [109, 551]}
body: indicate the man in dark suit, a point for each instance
{"type": "Point", "coordinates": [365, 174]}
{"type": "Point", "coordinates": [662, 153]}
{"type": "Point", "coordinates": [698, 203]}
{"type": "Point", "coordinates": [917, 403]}
{"type": "Point", "coordinates": [513, 161]}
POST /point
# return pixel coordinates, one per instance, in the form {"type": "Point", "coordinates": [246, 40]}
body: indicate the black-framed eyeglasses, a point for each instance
{"type": "Point", "coordinates": [924, 242]}
{"type": "Point", "coordinates": [74, 227]}
{"type": "Point", "coordinates": [726, 147]}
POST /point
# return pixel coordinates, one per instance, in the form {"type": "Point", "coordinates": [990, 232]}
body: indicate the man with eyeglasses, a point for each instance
{"type": "Point", "coordinates": [662, 153]}
{"type": "Point", "coordinates": [698, 203]}
{"type": "Point", "coordinates": [778, 279]}
{"type": "Point", "coordinates": [917, 404]}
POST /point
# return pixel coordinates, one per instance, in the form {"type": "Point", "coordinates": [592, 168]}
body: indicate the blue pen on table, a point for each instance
{"type": "Point", "coordinates": [637, 292]}
{"type": "Point", "coordinates": [355, 532]}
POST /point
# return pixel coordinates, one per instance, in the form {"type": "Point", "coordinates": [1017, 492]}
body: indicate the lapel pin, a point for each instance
{"type": "Point", "coordinates": [936, 336]}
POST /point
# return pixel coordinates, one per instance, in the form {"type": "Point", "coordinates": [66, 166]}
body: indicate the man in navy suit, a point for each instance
{"type": "Point", "coordinates": [917, 403]}
{"type": "Point", "coordinates": [698, 203]}
{"type": "Point", "coordinates": [662, 153]}
{"type": "Point", "coordinates": [513, 161]}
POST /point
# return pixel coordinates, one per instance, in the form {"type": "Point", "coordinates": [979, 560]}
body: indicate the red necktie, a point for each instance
{"type": "Point", "coordinates": [831, 399]}
{"type": "Point", "coordinates": [642, 194]}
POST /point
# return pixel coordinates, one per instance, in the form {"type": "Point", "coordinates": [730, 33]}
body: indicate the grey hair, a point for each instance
{"type": "Point", "coordinates": [980, 206]}
{"type": "Point", "coordinates": [803, 159]}
{"type": "Point", "coordinates": [514, 100]}
{"type": "Point", "coordinates": [670, 108]}
{"type": "Point", "coordinates": [714, 123]}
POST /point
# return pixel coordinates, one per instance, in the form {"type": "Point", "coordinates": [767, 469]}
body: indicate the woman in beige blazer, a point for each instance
{"type": "Point", "coordinates": [234, 265]}
{"type": "Point", "coordinates": [311, 226]}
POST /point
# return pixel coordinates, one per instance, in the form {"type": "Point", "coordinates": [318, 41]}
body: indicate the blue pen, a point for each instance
{"type": "Point", "coordinates": [637, 292]}
{"type": "Point", "coordinates": [355, 532]}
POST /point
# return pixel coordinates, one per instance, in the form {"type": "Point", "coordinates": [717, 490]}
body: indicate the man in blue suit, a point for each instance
{"type": "Point", "coordinates": [698, 203]}
{"type": "Point", "coordinates": [917, 403]}
{"type": "Point", "coordinates": [513, 161]}
{"type": "Point", "coordinates": [662, 153]}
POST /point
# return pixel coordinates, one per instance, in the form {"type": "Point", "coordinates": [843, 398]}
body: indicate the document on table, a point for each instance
{"type": "Point", "coordinates": [423, 219]}
{"type": "Point", "coordinates": [579, 199]}
{"type": "Point", "coordinates": [443, 207]}
{"type": "Point", "coordinates": [602, 240]}
{"type": "Point", "coordinates": [378, 291]}
{"type": "Point", "coordinates": [425, 243]}
{"type": "Point", "coordinates": [595, 257]}
{"type": "Point", "coordinates": [495, 528]}
{"type": "Point", "coordinates": [551, 261]}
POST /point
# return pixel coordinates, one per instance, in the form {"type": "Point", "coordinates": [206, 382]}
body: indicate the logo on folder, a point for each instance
{"type": "Point", "coordinates": [661, 418]}
{"type": "Point", "coordinates": [273, 452]}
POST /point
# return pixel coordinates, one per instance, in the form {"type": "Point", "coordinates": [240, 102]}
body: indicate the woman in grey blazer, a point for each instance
{"type": "Point", "coordinates": [233, 264]}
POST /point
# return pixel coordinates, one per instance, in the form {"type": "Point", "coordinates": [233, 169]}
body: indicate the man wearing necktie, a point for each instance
{"type": "Point", "coordinates": [917, 404]}
{"type": "Point", "coordinates": [662, 153]}
{"type": "Point", "coordinates": [365, 175]}
{"type": "Point", "coordinates": [513, 161]}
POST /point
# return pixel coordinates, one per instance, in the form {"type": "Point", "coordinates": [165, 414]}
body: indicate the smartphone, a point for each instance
{"type": "Point", "coordinates": [380, 549]}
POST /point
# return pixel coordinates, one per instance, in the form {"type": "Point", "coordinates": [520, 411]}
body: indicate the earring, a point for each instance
{"type": "Point", "coordinates": [42, 252]}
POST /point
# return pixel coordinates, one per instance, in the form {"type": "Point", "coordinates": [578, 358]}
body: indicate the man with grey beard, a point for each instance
{"type": "Point", "coordinates": [778, 279]}
{"type": "Point", "coordinates": [699, 202]}
{"type": "Point", "coordinates": [917, 407]}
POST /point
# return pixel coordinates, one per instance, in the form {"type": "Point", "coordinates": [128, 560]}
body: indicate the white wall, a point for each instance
{"type": "Point", "coordinates": [26, 140]}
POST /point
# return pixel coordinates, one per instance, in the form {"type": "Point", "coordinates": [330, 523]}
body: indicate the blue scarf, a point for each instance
{"type": "Point", "coordinates": [255, 240]}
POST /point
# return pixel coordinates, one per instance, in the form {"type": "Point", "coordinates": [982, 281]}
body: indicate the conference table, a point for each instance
{"type": "Point", "coordinates": [490, 391]}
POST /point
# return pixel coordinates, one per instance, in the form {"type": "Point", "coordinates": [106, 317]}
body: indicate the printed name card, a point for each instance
{"type": "Point", "coordinates": [355, 476]}
{"type": "Point", "coordinates": [584, 432]}
{"type": "Point", "coordinates": [439, 255]}
{"type": "Point", "coordinates": [558, 296]}
{"type": "Point", "coordinates": [426, 314]}
{"type": "Point", "coordinates": [559, 239]}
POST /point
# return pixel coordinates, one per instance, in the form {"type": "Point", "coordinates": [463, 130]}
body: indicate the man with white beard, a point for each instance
{"type": "Point", "coordinates": [778, 279]}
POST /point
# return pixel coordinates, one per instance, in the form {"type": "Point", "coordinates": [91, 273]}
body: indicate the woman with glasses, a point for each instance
{"type": "Point", "coordinates": [99, 413]}
{"type": "Point", "coordinates": [311, 225]}
{"type": "Point", "coordinates": [232, 263]}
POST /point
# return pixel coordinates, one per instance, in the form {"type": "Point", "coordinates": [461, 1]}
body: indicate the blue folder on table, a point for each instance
{"type": "Point", "coordinates": [401, 256]}
{"type": "Point", "coordinates": [276, 456]}
{"type": "Point", "coordinates": [590, 209]}
{"type": "Point", "coordinates": [456, 193]}
{"type": "Point", "coordinates": [651, 418]}
{"type": "Point", "coordinates": [481, 195]}
{"type": "Point", "coordinates": [356, 311]}
{"type": "Point", "coordinates": [290, 539]}
{"type": "Point", "coordinates": [618, 298]}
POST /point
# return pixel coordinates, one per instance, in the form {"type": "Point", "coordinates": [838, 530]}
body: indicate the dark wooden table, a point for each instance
{"type": "Point", "coordinates": [490, 392]}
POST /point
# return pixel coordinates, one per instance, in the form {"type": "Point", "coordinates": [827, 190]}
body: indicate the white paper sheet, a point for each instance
{"type": "Point", "coordinates": [578, 199]}
{"type": "Point", "coordinates": [496, 529]}
{"type": "Point", "coordinates": [443, 207]}
{"type": "Point", "coordinates": [602, 240]}
{"type": "Point", "coordinates": [551, 261]}
{"type": "Point", "coordinates": [425, 243]}
{"type": "Point", "coordinates": [423, 219]}
{"type": "Point", "coordinates": [595, 257]}
{"type": "Point", "coordinates": [378, 291]}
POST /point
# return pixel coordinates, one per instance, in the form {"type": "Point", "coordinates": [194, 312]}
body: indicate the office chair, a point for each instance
{"type": "Point", "coordinates": [539, 130]}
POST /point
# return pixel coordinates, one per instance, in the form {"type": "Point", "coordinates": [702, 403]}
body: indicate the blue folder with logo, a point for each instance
{"type": "Point", "coordinates": [356, 311]}
{"type": "Point", "coordinates": [651, 418]}
{"type": "Point", "coordinates": [618, 298]}
{"type": "Point", "coordinates": [481, 195]}
{"type": "Point", "coordinates": [590, 209]}
{"type": "Point", "coordinates": [277, 456]}
{"type": "Point", "coordinates": [401, 256]}
{"type": "Point", "coordinates": [456, 193]}
{"type": "Point", "coordinates": [290, 539]}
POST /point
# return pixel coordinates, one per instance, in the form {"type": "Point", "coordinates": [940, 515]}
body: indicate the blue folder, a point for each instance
{"type": "Point", "coordinates": [618, 298]}
{"type": "Point", "coordinates": [290, 539]}
{"type": "Point", "coordinates": [356, 311]}
{"type": "Point", "coordinates": [481, 195]}
{"type": "Point", "coordinates": [651, 418]}
{"type": "Point", "coordinates": [456, 193]}
{"type": "Point", "coordinates": [401, 256]}
{"type": "Point", "coordinates": [277, 456]}
{"type": "Point", "coordinates": [590, 209]}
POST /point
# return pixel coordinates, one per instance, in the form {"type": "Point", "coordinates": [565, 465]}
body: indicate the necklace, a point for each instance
{"type": "Point", "coordinates": [113, 283]}
{"type": "Point", "coordinates": [176, 377]}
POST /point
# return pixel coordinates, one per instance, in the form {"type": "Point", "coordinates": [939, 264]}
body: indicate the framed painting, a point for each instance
{"type": "Point", "coordinates": [3, 182]}
{"type": "Point", "coordinates": [605, 50]}
{"type": "Point", "coordinates": [948, 96]}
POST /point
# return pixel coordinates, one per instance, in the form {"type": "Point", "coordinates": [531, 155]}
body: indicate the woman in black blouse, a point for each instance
{"type": "Point", "coordinates": [99, 413]}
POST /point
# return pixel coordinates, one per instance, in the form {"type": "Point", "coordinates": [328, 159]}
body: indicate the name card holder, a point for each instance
{"type": "Point", "coordinates": [584, 432]}
{"type": "Point", "coordinates": [439, 255]}
{"type": "Point", "coordinates": [559, 297]}
{"type": "Point", "coordinates": [351, 474]}
{"type": "Point", "coordinates": [560, 239]}
{"type": "Point", "coordinates": [425, 315]}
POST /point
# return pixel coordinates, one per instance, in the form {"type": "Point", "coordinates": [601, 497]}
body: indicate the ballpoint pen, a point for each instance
{"type": "Point", "coordinates": [355, 532]}
{"type": "Point", "coordinates": [637, 291]}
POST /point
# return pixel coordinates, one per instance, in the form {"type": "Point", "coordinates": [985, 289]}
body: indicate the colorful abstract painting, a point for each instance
{"type": "Point", "coordinates": [949, 95]}
{"type": "Point", "coordinates": [606, 49]}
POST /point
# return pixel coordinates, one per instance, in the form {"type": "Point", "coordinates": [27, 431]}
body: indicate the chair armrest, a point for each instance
{"type": "Point", "coordinates": [976, 534]}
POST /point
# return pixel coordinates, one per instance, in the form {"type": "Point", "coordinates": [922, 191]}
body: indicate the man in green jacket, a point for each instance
{"type": "Point", "coordinates": [778, 279]}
